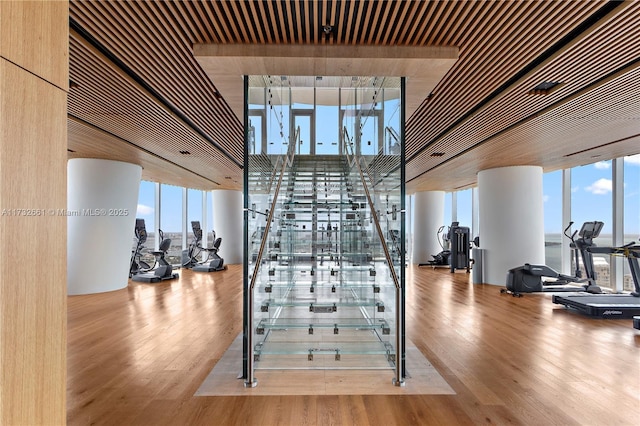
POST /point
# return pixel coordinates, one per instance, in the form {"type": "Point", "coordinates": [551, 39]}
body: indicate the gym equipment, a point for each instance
{"type": "Point", "coordinates": [442, 258]}
{"type": "Point", "coordinates": [581, 249]}
{"type": "Point", "coordinates": [213, 262]}
{"type": "Point", "coordinates": [162, 270]}
{"type": "Point", "coordinates": [636, 322]}
{"type": "Point", "coordinates": [138, 265]}
{"type": "Point", "coordinates": [609, 305]}
{"type": "Point", "coordinates": [460, 246]}
{"type": "Point", "coordinates": [190, 256]}
{"type": "Point", "coordinates": [528, 278]}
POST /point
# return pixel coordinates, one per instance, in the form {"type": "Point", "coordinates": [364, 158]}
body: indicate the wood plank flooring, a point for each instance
{"type": "Point", "coordinates": [137, 356]}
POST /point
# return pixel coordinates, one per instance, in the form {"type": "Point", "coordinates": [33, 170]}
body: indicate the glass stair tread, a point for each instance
{"type": "Point", "coordinates": [357, 323]}
{"type": "Point", "coordinates": [344, 348]}
{"type": "Point", "coordinates": [309, 303]}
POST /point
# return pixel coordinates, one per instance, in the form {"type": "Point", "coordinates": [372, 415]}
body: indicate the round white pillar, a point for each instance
{"type": "Point", "coordinates": [427, 218]}
{"type": "Point", "coordinates": [228, 223]}
{"type": "Point", "coordinates": [102, 196]}
{"type": "Point", "coordinates": [511, 220]}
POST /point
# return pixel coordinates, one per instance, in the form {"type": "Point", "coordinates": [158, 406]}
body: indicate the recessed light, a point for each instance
{"type": "Point", "coordinates": [183, 152]}
{"type": "Point", "coordinates": [437, 154]}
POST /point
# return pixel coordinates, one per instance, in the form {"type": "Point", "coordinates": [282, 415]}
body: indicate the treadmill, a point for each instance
{"type": "Point", "coordinates": [616, 306]}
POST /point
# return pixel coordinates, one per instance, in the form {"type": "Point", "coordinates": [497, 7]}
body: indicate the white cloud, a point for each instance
{"type": "Point", "coordinates": [575, 188]}
{"type": "Point", "coordinates": [144, 210]}
{"type": "Point", "coordinates": [633, 159]}
{"type": "Point", "coordinates": [602, 165]}
{"type": "Point", "coordinates": [600, 187]}
{"type": "Point", "coordinates": [545, 198]}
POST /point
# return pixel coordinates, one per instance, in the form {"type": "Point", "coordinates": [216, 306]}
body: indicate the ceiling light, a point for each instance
{"type": "Point", "coordinates": [183, 152]}
{"type": "Point", "coordinates": [437, 154]}
{"type": "Point", "coordinates": [328, 30]}
{"type": "Point", "coordinates": [545, 88]}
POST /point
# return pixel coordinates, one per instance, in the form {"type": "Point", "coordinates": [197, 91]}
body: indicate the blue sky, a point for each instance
{"type": "Point", "coordinates": [591, 196]}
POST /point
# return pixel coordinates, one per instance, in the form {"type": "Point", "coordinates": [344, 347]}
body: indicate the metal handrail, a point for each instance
{"type": "Point", "coordinates": [398, 380]}
{"type": "Point", "coordinates": [288, 160]}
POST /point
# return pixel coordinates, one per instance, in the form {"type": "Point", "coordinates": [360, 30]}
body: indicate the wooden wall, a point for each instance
{"type": "Point", "coordinates": [33, 163]}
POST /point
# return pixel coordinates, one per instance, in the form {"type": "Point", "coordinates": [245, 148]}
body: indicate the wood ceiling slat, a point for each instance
{"type": "Point", "coordinates": [368, 25]}
{"type": "Point", "coordinates": [264, 18]}
{"type": "Point", "coordinates": [259, 29]}
{"type": "Point", "coordinates": [443, 21]}
{"type": "Point", "coordinates": [453, 25]}
{"type": "Point", "coordinates": [433, 19]}
{"type": "Point", "coordinates": [332, 19]}
{"type": "Point", "coordinates": [221, 24]}
{"type": "Point", "coordinates": [242, 23]}
{"type": "Point", "coordinates": [189, 23]}
{"type": "Point", "coordinates": [275, 23]}
{"type": "Point", "coordinates": [383, 21]}
{"type": "Point", "coordinates": [341, 22]}
{"type": "Point", "coordinates": [423, 31]}
{"type": "Point", "coordinates": [376, 19]}
{"type": "Point", "coordinates": [303, 12]}
{"type": "Point", "coordinates": [284, 18]}
{"type": "Point", "coordinates": [299, 19]}
{"type": "Point", "coordinates": [348, 24]}
{"type": "Point", "coordinates": [203, 8]}
{"type": "Point", "coordinates": [396, 22]}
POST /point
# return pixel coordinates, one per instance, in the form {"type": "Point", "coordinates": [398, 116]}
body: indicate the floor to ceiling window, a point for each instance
{"type": "Point", "coordinates": [591, 200]}
{"type": "Point", "coordinates": [171, 220]}
{"type": "Point", "coordinates": [553, 226]}
{"type": "Point", "coordinates": [631, 209]}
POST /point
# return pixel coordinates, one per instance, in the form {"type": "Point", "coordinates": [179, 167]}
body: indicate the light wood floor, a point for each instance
{"type": "Point", "coordinates": [136, 357]}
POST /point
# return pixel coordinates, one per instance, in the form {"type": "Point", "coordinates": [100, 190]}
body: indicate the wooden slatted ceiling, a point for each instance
{"type": "Point", "coordinates": [496, 41]}
{"type": "Point", "coordinates": [83, 138]}
{"type": "Point", "coordinates": [108, 100]}
{"type": "Point", "coordinates": [570, 132]}
{"type": "Point", "coordinates": [139, 34]}
{"type": "Point", "coordinates": [592, 53]}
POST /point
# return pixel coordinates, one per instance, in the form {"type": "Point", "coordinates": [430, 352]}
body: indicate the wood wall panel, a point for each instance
{"type": "Point", "coordinates": [33, 140]}
{"type": "Point", "coordinates": [30, 36]}
{"type": "Point", "coordinates": [32, 249]}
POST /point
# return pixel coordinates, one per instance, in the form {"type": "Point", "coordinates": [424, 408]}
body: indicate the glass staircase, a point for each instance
{"type": "Point", "coordinates": [323, 276]}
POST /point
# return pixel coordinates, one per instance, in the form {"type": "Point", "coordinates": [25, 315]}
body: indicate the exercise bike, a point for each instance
{"type": "Point", "coordinates": [529, 278]}
{"type": "Point", "coordinates": [161, 270]}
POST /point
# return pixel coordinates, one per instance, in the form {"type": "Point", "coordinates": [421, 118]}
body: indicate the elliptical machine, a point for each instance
{"type": "Point", "coordinates": [213, 262]}
{"type": "Point", "coordinates": [528, 278]}
{"type": "Point", "coordinates": [442, 258]}
{"type": "Point", "coordinates": [162, 270]}
{"type": "Point", "coordinates": [137, 265]}
{"type": "Point", "coordinates": [190, 255]}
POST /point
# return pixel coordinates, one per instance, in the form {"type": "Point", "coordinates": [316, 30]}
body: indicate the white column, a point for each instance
{"type": "Point", "coordinates": [566, 219]}
{"type": "Point", "coordinates": [428, 217]}
{"type": "Point", "coordinates": [475, 217]}
{"type": "Point", "coordinates": [228, 223]}
{"type": "Point", "coordinates": [511, 219]}
{"type": "Point", "coordinates": [102, 196]}
{"type": "Point", "coordinates": [616, 262]}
